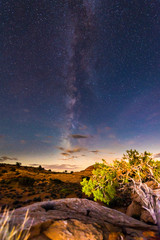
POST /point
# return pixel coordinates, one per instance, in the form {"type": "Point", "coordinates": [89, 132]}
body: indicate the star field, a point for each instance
{"type": "Point", "coordinates": [79, 80]}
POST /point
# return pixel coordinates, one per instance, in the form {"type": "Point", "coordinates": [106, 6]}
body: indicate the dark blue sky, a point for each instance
{"type": "Point", "coordinates": [79, 80]}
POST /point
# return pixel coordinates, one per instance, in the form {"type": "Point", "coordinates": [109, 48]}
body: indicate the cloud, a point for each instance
{"type": "Point", "coordinates": [112, 136]}
{"type": "Point", "coordinates": [69, 158]}
{"type": "Point", "coordinates": [57, 166]}
{"type": "Point", "coordinates": [6, 158]}
{"type": "Point", "coordinates": [61, 148]}
{"type": "Point", "coordinates": [37, 135]}
{"type": "Point", "coordinates": [46, 141]}
{"type": "Point", "coordinates": [103, 129]}
{"type": "Point", "coordinates": [83, 127]}
{"type": "Point", "coordinates": [77, 136]}
{"type": "Point", "coordinates": [108, 128]}
{"type": "Point", "coordinates": [22, 141]}
{"type": "Point", "coordinates": [130, 142]}
{"type": "Point", "coordinates": [34, 165]}
{"type": "Point", "coordinates": [26, 110]}
{"type": "Point", "coordinates": [75, 150]}
{"type": "Point", "coordinates": [61, 166]}
{"type": "Point", "coordinates": [157, 155]}
{"type": "Point", "coordinates": [95, 151]}
{"type": "Point", "coordinates": [65, 154]}
{"type": "Point", "coordinates": [2, 136]}
{"type": "Point", "coordinates": [72, 157]}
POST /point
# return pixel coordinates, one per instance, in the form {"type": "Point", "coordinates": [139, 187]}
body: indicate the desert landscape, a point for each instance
{"type": "Point", "coordinates": [80, 120]}
{"type": "Point", "coordinates": [58, 206]}
{"type": "Point", "coordinates": [20, 185]}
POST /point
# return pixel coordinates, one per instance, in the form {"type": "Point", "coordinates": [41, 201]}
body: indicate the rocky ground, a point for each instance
{"type": "Point", "coordinates": [21, 186]}
{"type": "Point", "coordinates": [80, 219]}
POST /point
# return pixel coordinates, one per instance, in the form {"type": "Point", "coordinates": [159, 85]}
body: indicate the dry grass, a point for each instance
{"type": "Point", "coordinates": [17, 188]}
{"type": "Point", "coordinates": [7, 232]}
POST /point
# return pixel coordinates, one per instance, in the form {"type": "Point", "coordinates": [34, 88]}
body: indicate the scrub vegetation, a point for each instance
{"type": "Point", "coordinates": [108, 181]}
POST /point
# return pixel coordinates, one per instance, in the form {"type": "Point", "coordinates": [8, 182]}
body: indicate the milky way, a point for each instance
{"type": "Point", "coordinates": [79, 61]}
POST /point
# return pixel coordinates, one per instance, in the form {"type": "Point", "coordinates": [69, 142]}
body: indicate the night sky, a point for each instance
{"type": "Point", "coordinates": [79, 80]}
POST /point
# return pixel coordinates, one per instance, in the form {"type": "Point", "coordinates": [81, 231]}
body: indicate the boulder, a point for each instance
{"type": "Point", "coordinates": [78, 219]}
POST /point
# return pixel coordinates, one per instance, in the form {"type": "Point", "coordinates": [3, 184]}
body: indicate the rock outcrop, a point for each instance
{"type": "Point", "coordinates": [78, 219]}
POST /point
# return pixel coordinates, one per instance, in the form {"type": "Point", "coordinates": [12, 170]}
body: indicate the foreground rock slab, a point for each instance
{"type": "Point", "coordinates": [79, 219]}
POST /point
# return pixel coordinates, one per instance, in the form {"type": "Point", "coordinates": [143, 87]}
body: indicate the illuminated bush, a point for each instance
{"type": "Point", "coordinates": [110, 180]}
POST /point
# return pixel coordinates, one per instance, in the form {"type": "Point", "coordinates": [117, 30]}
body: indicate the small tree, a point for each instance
{"type": "Point", "coordinates": [40, 168]}
{"type": "Point", "coordinates": [18, 164]}
{"type": "Point", "coordinates": [110, 179]}
{"type": "Point", "coordinates": [130, 173]}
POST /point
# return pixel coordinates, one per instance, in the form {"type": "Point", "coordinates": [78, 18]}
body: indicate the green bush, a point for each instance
{"type": "Point", "coordinates": [111, 180]}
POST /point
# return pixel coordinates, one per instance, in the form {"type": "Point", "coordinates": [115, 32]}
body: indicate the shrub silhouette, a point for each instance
{"type": "Point", "coordinates": [40, 168]}
{"type": "Point", "coordinates": [26, 181]}
{"type": "Point", "coordinates": [56, 181]}
{"type": "Point", "coordinates": [13, 169]}
{"type": "Point", "coordinates": [18, 164]}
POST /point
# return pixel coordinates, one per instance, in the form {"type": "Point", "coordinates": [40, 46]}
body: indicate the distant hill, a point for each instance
{"type": "Point", "coordinates": [89, 169]}
{"type": "Point", "coordinates": [23, 185]}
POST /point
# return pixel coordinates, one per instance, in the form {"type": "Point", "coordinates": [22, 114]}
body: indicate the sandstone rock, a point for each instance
{"type": "Point", "coordinates": [134, 209]}
{"type": "Point", "coordinates": [78, 219]}
{"type": "Point", "coordinates": [73, 230]}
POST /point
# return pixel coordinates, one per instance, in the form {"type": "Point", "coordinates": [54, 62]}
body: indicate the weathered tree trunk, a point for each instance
{"type": "Point", "coordinates": [150, 201]}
